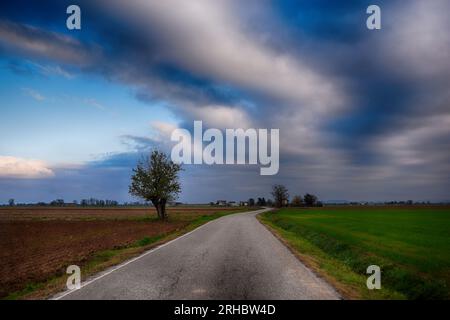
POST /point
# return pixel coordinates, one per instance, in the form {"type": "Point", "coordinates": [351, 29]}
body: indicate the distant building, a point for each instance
{"type": "Point", "coordinates": [233, 204]}
{"type": "Point", "coordinates": [243, 203]}
{"type": "Point", "coordinates": [221, 203]}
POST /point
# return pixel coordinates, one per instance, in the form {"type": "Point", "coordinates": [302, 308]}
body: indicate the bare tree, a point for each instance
{"type": "Point", "coordinates": [297, 201]}
{"type": "Point", "coordinates": [280, 195]}
{"type": "Point", "coordinates": [155, 179]}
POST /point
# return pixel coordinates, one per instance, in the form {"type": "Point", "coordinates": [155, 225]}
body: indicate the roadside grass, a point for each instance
{"type": "Point", "coordinates": [103, 260]}
{"type": "Point", "coordinates": [410, 244]}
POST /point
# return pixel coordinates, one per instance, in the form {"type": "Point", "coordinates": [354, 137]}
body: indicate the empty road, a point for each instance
{"type": "Point", "coordinates": [233, 257]}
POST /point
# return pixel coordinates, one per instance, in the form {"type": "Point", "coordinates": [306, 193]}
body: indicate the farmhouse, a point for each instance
{"type": "Point", "coordinates": [221, 203]}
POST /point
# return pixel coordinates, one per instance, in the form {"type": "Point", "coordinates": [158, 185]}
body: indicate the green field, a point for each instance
{"type": "Point", "coordinates": [410, 244]}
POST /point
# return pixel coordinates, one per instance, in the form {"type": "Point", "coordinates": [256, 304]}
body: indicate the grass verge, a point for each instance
{"type": "Point", "coordinates": [339, 245]}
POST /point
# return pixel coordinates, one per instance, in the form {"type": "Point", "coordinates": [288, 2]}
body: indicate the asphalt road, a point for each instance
{"type": "Point", "coordinates": [233, 257]}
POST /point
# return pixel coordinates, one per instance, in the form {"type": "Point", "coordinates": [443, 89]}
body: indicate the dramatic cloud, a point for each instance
{"type": "Point", "coordinates": [36, 42]}
{"type": "Point", "coordinates": [217, 116]}
{"type": "Point", "coordinates": [225, 51]}
{"type": "Point", "coordinates": [362, 114]}
{"type": "Point", "coordinates": [12, 167]}
{"type": "Point", "coordinates": [419, 39]}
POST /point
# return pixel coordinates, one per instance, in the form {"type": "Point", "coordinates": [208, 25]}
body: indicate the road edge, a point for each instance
{"type": "Point", "coordinates": [319, 274]}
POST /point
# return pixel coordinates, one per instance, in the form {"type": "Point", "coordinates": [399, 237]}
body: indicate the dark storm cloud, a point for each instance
{"type": "Point", "coordinates": [188, 87]}
{"type": "Point", "coordinates": [351, 104]}
{"type": "Point", "coordinates": [325, 19]}
{"type": "Point", "coordinates": [36, 43]}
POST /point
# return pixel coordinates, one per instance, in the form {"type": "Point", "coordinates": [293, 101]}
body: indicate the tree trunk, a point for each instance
{"type": "Point", "coordinates": [160, 206]}
{"type": "Point", "coordinates": [163, 209]}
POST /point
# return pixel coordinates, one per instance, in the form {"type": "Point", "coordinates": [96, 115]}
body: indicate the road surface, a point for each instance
{"type": "Point", "coordinates": [233, 257]}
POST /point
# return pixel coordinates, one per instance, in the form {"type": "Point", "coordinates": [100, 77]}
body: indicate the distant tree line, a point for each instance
{"type": "Point", "coordinates": [281, 198]}
{"type": "Point", "coordinates": [91, 202]}
{"type": "Point", "coordinates": [308, 200]}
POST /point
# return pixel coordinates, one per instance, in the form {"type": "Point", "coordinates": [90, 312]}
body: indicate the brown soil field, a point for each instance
{"type": "Point", "coordinates": [55, 213]}
{"type": "Point", "coordinates": [39, 243]}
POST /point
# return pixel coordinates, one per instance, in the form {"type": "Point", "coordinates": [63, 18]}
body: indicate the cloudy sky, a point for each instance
{"type": "Point", "coordinates": [363, 114]}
